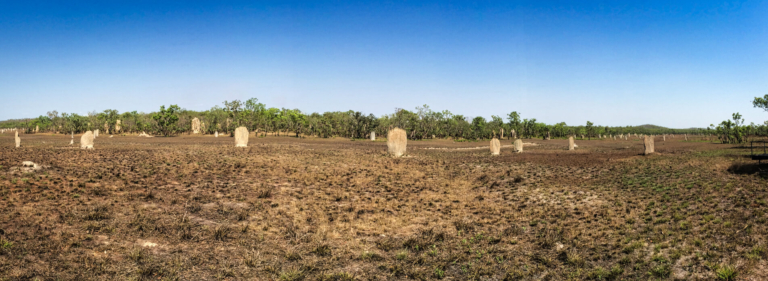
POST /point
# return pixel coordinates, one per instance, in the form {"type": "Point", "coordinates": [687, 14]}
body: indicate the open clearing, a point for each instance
{"type": "Point", "coordinates": [197, 208]}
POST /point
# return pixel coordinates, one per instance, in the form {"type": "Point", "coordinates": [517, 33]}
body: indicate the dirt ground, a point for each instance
{"type": "Point", "coordinates": [197, 208]}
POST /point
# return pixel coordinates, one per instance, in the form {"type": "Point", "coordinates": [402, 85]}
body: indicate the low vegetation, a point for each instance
{"type": "Point", "coordinates": [194, 208]}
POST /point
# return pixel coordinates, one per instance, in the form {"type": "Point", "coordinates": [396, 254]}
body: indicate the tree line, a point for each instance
{"type": "Point", "coordinates": [420, 123]}
{"type": "Point", "coordinates": [736, 130]}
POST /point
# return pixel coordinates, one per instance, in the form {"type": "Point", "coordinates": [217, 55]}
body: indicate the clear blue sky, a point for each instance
{"type": "Point", "coordinates": [672, 63]}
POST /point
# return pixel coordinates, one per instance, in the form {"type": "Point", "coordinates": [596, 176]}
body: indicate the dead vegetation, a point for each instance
{"type": "Point", "coordinates": [196, 208]}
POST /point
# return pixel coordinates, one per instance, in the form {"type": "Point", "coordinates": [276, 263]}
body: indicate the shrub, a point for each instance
{"type": "Point", "coordinates": [726, 273]}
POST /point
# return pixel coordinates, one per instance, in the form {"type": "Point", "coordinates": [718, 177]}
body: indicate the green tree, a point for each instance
{"type": "Point", "coordinates": [495, 125]}
{"type": "Point", "coordinates": [108, 117]}
{"type": "Point", "coordinates": [590, 129]}
{"type": "Point", "coordinates": [731, 131]}
{"type": "Point", "coordinates": [761, 102]}
{"type": "Point", "coordinates": [234, 110]}
{"type": "Point", "coordinates": [514, 121]}
{"type": "Point", "coordinates": [166, 119]}
{"type": "Point", "coordinates": [254, 111]}
{"type": "Point", "coordinates": [478, 126]}
{"type": "Point", "coordinates": [529, 128]}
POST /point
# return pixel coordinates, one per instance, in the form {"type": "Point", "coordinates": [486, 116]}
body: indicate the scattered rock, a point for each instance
{"type": "Point", "coordinates": [27, 167]}
{"type": "Point", "coordinates": [146, 244]}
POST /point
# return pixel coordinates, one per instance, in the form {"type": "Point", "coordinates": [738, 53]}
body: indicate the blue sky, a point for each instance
{"type": "Point", "coordinates": [672, 63]}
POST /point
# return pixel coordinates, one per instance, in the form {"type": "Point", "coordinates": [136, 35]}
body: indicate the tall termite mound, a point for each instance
{"type": "Point", "coordinates": [195, 126]}
{"type": "Point", "coordinates": [495, 147]}
{"type": "Point", "coordinates": [86, 141]}
{"type": "Point", "coordinates": [396, 141]}
{"type": "Point", "coordinates": [241, 137]}
{"type": "Point", "coordinates": [648, 144]}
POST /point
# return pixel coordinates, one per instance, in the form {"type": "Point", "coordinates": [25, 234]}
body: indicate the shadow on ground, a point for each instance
{"type": "Point", "coordinates": [750, 169]}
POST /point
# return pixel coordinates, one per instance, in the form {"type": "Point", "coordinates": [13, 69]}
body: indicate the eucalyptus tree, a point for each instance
{"type": "Point", "coordinates": [731, 131]}
{"type": "Point", "coordinates": [233, 109]}
{"type": "Point", "coordinates": [294, 120]}
{"type": "Point", "coordinates": [109, 118]}
{"type": "Point", "coordinates": [166, 119]}
{"type": "Point", "coordinates": [253, 114]}
{"type": "Point", "coordinates": [403, 119]}
{"type": "Point", "coordinates": [56, 121]}
{"type": "Point", "coordinates": [75, 123]}
{"type": "Point", "coordinates": [560, 130]}
{"type": "Point", "coordinates": [590, 129]}
{"type": "Point", "coordinates": [581, 131]}
{"type": "Point", "coordinates": [93, 120]}
{"type": "Point", "coordinates": [43, 123]}
{"type": "Point", "coordinates": [272, 119]}
{"type": "Point", "coordinates": [134, 122]}
{"type": "Point", "coordinates": [495, 125]}
{"type": "Point", "coordinates": [429, 122]}
{"type": "Point", "coordinates": [514, 121]}
{"type": "Point", "coordinates": [761, 102]}
{"type": "Point", "coordinates": [361, 124]}
{"type": "Point", "coordinates": [529, 128]}
{"type": "Point", "coordinates": [215, 118]}
{"type": "Point", "coordinates": [445, 123]}
{"type": "Point", "coordinates": [478, 127]}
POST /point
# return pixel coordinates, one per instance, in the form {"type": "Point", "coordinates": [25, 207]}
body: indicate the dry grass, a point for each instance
{"type": "Point", "coordinates": [192, 208]}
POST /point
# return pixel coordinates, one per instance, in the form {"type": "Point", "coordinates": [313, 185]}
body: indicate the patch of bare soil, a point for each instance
{"type": "Point", "coordinates": [197, 208]}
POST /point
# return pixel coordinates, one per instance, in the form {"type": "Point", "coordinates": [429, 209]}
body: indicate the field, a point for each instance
{"type": "Point", "coordinates": [196, 208]}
